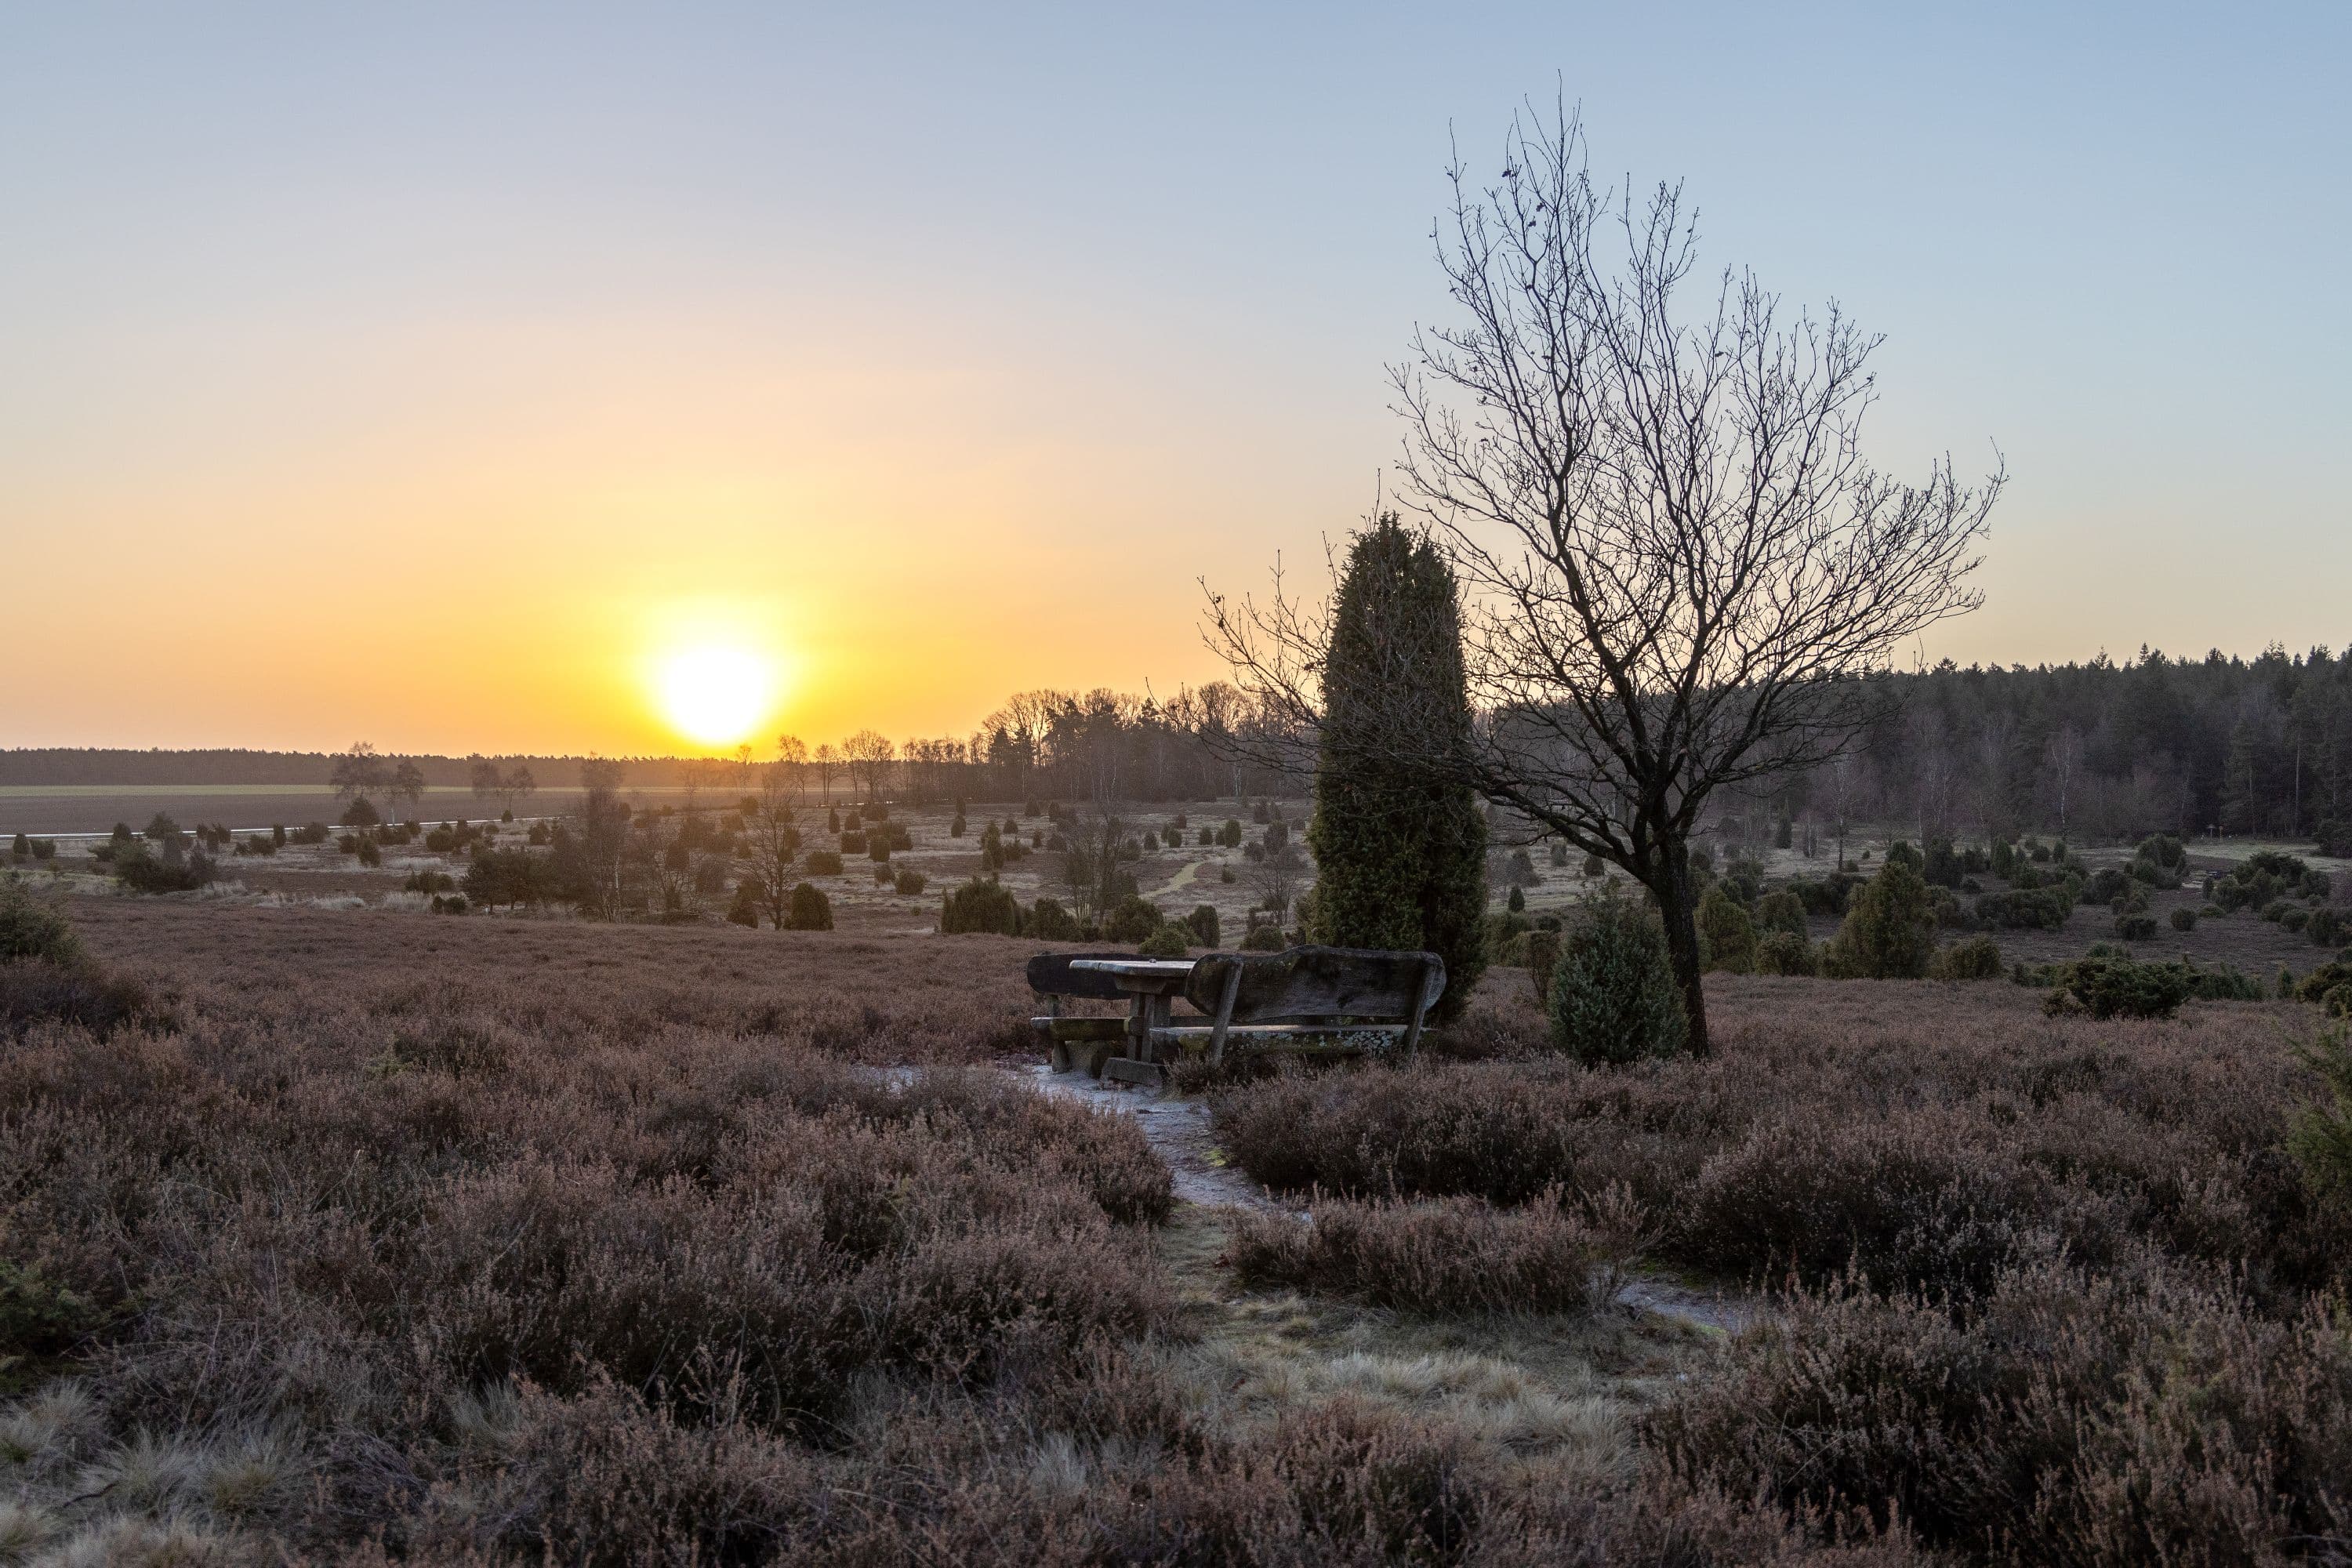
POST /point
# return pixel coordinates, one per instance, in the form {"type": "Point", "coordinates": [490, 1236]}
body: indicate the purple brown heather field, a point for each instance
{"type": "Point", "coordinates": [354, 1236]}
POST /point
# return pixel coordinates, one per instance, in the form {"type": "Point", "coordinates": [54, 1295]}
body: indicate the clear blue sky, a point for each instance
{"type": "Point", "coordinates": [979, 319]}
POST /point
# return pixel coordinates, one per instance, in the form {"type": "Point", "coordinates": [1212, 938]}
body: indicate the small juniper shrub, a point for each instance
{"type": "Point", "coordinates": [2112, 986]}
{"type": "Point", "coordinates": [46, 977]}
{"type": "Point", "coordinates": [810, 909]}
{"type": "Point", "coordinates": [910, 882]}
{"type": "Point", "coordinates": [1613, 997]}
{"type": "Point", "coordinates": [1203, 921]}
{"type": "Point", "coordinates": [1785, 952]}
{"type": "Point", "coordinates": [823, 863]}
{"type": "Point", "coordinates": [1727, 932]}
{"type": "Point", "coordinates": [1047, 920]}
{"type": "Point", "coordinates": [1979, 958]}
{"type": "Point", "coordinates": [1168, 942]}
{"type": "Point", "coordinates": [1782, 911]}
{"type": "Point", "coordinates": [1889, 931]}
{"type": "Point", "coordinates": [983, 904]}
{"type": "Point", "coordinates": [1131, 920]}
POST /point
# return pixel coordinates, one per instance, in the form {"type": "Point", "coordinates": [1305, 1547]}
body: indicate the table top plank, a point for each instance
{"type": "Point", "coordinates": [1138, 968]}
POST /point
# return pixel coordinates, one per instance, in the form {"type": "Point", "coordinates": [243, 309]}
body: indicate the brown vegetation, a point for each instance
{"type": "Point", "coordinates": [386, 1239]}
{"type": "Point", "coordinates": [1838, 1129]}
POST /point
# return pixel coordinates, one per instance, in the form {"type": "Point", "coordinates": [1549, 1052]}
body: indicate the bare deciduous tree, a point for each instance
{"type": "Point", "coordinates": [1680, 570]}
{"type": "Point", "coordinates": [869, 752]}
{"type": "Point", "coordinates": [774, 843]}
{"type": "Point", "coordinates": [791, 758]}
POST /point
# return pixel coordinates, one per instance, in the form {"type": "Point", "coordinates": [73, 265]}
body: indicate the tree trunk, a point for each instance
{"type": "Point", "coordinates": [1679, 912]}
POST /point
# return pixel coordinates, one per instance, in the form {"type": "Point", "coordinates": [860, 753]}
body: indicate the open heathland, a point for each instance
{"type": "Point", "coordinates": [361, 1238]}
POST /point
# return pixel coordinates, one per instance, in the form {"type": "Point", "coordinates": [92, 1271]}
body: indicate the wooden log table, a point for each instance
{"type": "Point", "coordinates": [1151, 985]}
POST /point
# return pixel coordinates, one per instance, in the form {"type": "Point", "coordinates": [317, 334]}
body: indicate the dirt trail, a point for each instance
{"type": "Point", "coordinates": [1181, 1132]}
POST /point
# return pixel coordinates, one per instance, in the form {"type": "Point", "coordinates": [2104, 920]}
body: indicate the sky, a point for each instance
{"type": "Point", "coordinates": [441, 375]}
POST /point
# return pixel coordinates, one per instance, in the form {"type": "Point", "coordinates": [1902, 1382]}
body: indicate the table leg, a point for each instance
{"type": "Point", "coordinates": [1157, 1012]}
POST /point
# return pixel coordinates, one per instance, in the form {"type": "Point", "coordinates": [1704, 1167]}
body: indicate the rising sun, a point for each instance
{"type": "Point", "coordinates": [716, 695]}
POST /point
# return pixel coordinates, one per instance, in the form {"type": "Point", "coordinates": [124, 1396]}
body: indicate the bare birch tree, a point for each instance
{"type": "Point", "coordinates": [1680, 570]}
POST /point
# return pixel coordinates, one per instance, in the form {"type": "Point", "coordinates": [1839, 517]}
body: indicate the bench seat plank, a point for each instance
{"type": "Point", "coordinates": [1310, 1039]}
{"type": "Point", "coordinates": [1070, 1030]}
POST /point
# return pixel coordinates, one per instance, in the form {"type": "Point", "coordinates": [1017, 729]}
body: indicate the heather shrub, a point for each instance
{"type": "Point", "coordinates": [2068, 1418]}
{"type": "Point", "coordinates": [1727, 932]}
{"type": "Point", "coordinates": [981, 904]}
{"type": "Point", "coordinates": [1447, 1255]}
{"type": "Point", "coordinates": [810, 908]}
{"type": "Point", "coordinates": [1979, 958]}
{"type": "Point", "coordinates": [1911, 1199]}
{"type": "Point", "coordinates": [73, 992]}
{"type": "Point", "coordinates": [1613, 997]}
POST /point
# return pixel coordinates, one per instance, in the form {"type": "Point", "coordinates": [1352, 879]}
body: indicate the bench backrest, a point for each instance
{"type": "Point", "coordinates": [1304, 984]}
{"type": "Point", "coordinates": [1050, 974]}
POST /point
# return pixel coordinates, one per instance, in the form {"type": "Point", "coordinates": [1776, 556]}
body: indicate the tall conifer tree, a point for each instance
{"type": "Point", "coordinates": [1400, 857]}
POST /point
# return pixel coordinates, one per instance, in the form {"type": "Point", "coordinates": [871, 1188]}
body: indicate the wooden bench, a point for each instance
{"type": "Point", "coordinates": [1322, 1001]}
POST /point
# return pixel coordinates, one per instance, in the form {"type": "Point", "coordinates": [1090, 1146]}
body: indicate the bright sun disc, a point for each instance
{"type": "Point", "coordinates": [716, 695]}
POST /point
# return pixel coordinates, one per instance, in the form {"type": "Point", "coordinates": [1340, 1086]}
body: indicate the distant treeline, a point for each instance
{"type": "Point", "coordinates": [34, 766]}
{"type": "Point", "coordinates": [2107, 749]}
{"type": "Point", "coordinates": [2150, 744]}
